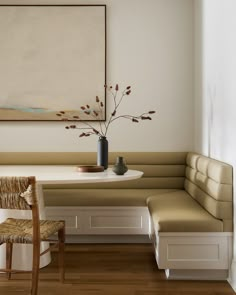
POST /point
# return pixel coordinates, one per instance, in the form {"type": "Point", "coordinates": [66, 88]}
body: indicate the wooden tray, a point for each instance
{"type": "Point", "coordinates": [90, 168]}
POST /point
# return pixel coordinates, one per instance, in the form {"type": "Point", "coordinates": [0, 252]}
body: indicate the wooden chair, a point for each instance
{"type": "Point", "coordinates": [20, 193]}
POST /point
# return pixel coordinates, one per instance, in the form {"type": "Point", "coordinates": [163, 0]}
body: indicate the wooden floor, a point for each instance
{"type": "Point", "coordinates": [110, 270]}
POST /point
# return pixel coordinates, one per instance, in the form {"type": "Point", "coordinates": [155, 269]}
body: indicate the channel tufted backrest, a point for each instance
{"type": "Point", "coordinates": [209, 182]}
{"type": "Point", "coordinates": [161, 169]}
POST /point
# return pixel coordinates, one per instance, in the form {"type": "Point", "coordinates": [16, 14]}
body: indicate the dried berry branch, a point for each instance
{"type": "Point", "coordinates": [104, 126]}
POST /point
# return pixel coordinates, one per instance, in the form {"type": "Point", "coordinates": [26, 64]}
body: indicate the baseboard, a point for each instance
{"type": "Point", "coordinates": [91, 239]}
{"type": "Point", "coordinates": [196, 274]}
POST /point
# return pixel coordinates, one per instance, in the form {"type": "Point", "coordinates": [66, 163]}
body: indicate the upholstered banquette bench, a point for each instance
{"type": "Point", "coordinates": [105, 209]}
{"type": "Point", "coordinates": [192, 228]}
{"type": "Point", "coordinates": [183, 202]}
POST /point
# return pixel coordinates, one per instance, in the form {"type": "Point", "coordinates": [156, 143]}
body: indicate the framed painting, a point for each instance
{"type": "Point", "coordinates": [52, 59]}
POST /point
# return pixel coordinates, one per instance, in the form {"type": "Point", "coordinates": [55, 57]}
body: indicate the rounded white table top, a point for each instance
{"type": "Point", "coordinates": [60, 174]}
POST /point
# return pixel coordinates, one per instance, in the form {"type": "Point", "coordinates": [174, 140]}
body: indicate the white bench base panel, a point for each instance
{"type": "Point", "coordinates": [193, 255]}
{"type": "Point", "coordinates": [102, 220]}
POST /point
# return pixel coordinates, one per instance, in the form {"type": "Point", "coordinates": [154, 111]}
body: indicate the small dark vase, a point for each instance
{"type": "Point", "coordinates": [120, 167]}
{"type": "Point", "coordinates": [102, 152]}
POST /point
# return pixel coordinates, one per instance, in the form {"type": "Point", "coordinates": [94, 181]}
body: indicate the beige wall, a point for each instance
{"type": "Point", "coordinates": [150, 46]}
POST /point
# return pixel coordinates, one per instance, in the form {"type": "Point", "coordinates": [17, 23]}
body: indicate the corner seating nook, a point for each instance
{"type": "Point", "coordinates": [183, 202]}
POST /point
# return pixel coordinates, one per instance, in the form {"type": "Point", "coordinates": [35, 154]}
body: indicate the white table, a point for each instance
{"type": "Point", "coordinates": [49, 174]}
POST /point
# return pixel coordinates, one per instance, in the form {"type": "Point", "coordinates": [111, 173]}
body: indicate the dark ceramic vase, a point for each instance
{"type": "Point", "coordinates": [102, 152]}
{"type": "Point", "coordinates": [120, 167]}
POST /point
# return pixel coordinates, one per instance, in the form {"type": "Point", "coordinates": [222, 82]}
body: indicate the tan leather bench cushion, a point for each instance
{"type": "Point", "coordinates": [100, 197]}
{"type": "Point", "coordinates": [179, 212]}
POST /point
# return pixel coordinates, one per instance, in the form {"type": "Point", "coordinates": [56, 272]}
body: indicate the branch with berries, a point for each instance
{"type": "Point", "coordinates": [88, 128]}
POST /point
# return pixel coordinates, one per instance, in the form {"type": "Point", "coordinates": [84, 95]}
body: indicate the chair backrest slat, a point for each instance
{"type": "Point", "coordinates": [17, 192]}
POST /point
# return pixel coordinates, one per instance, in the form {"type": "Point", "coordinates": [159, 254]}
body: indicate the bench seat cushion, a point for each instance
{"type": "Point", "coordinates": [179, 212]}
{"type": "Point", "coordinates": [100, 197]}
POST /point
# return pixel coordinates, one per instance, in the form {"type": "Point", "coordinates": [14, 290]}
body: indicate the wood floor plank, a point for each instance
{"type": "Point", "coordinates": [110, 269]}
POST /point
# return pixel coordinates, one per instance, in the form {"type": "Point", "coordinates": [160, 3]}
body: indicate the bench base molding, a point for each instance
{"type": "Point", "coordinates": [108, 239]}
{"type": "Point", "coordinates": [196, 274]}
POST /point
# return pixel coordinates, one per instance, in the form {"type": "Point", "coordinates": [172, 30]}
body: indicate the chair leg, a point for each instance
{"type": "Point", "coordinates": [9, 258]}
{"type": "Point", "coordinates": [61, 246]}
{"type": "Point", "coordinates": [35, 268]}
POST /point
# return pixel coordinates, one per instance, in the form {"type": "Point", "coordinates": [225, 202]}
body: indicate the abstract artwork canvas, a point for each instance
{"type": "Point", "coordinates": [52, 58]}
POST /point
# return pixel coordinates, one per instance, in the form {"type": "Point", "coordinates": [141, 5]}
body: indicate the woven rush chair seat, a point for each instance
{"type": "Point", "coordinates": [20, 193]}
{"type": "Point", "coordinates": [21, 230]}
